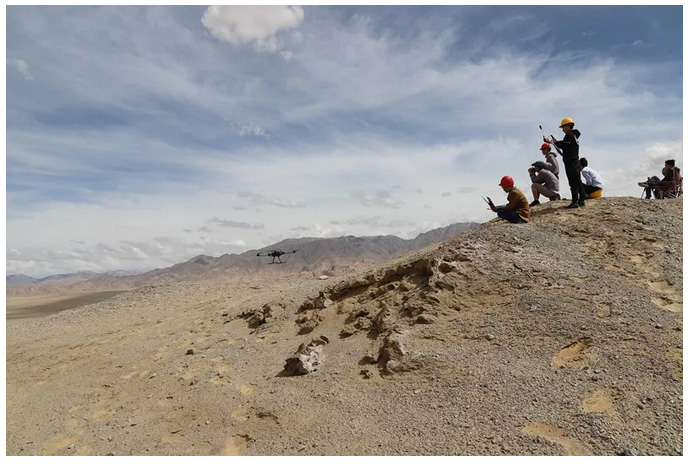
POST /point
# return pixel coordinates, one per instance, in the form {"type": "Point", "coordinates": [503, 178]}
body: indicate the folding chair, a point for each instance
{"type": "Point", "coordinates": [671, 189]}
{"type": "Point", "coordinates": [676, 190]}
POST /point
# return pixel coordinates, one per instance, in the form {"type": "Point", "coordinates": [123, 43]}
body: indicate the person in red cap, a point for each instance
{"type": "Point", "coordinates": [551, 160]}
{"type": "Point", "coordinates": [517, 209]}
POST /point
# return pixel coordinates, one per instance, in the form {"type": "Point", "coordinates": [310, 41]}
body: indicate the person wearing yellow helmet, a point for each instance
{"type": "Point", "coordinates": [570, 147]}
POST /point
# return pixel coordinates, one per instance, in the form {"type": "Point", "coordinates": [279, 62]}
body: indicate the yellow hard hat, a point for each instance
{"type": "Point", "coordinates": [566, 121]}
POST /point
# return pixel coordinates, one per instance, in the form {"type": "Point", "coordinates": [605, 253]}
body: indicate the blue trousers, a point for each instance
{"type": "Point", "coordinates": [510, 215]}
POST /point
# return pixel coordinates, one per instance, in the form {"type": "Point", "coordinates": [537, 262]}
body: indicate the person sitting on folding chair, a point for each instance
{"type": "Point", "coordinates": [671, 189]}
{"type": "Point", "coordinates": [660, 185]}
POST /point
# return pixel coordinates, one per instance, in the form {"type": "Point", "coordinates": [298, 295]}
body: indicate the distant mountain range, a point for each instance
{"type": "Point", "coordinates": [62, 280]}
{"type": "Point", "coordinates": [312, 254]}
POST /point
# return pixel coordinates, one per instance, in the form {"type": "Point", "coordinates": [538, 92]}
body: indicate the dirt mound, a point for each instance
{"type": "Point", "coordinates": [561, 336]}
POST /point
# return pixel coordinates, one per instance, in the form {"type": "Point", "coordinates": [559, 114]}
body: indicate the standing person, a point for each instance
{"type": "Point", "coordinates": [570, 147]}
{"type": "Point", "coordinates": [551, 160]}
{"type": "Point", "coordinates": [517, 209]}
{"type": "Point", "coordinates": [544, 182]}
{"type": "Point", "coordinates": [593, 182]}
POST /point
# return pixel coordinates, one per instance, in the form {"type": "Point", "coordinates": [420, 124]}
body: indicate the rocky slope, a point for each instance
{"type": "Point", "coordinates": [562, 336]}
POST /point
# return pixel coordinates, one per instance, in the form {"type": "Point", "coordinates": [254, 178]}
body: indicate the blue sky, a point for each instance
{"type": "Point", "coordinates": [138, 137]}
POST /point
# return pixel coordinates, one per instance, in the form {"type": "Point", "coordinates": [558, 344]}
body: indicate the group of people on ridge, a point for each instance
{"type": "Point", "coordinates": [545, 181]}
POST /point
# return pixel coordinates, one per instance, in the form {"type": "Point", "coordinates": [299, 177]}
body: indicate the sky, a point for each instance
{"type": "Point", "coordinates": [140, 137]}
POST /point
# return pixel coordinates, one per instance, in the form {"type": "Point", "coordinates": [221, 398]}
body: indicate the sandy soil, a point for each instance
{"type": "Point", "coordinates": [27, 307]}
{"type": "Point", "coordinates": [559, 337]}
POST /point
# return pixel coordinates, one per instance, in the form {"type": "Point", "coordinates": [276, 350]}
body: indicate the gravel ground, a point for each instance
{"type": "Point", "coordinates": [558, 337]}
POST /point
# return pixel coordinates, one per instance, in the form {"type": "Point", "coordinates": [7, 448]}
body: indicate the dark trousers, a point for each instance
{"type": "Point", "coordinates": [657, 184]}
{"type": "Point", "coordinates": [510, 215]}
{"type": "Point", "coordinates": [572, 170]}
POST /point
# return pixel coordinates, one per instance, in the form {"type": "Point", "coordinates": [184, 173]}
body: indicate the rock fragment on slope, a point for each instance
{"type": "Point", "coordinates": [307, 359]}
{"type": "Point", "coordinates": [257, 317]}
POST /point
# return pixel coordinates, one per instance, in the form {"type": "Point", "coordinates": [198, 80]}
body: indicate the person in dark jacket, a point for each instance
{"type": "Point", "coordinates": [570, 146]}
{"type": "Point", "coordinates": [658, 185]}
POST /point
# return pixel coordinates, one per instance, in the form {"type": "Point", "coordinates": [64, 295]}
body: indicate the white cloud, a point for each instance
{"type": "Point", "coordinates": [252, 24]}
{"type": "Point", "coordinates": [23, 68]}
{"type": "Point", "coordinates": [328, 232]}
{"type": "Point", "coordinates": [256, 199]}
{"type": "Point", "coordinates": [235, 224]}
{"type": "Point", "coordinates": [381, 198]}
{"type": "Point", "coordinates": [660, 152]}
{"type": "Point", "coordinates": [252, 129]}
{"type": "Point", "coordinates": [371, 221]}
{"type": "Point", "coordinates": [156, 252]}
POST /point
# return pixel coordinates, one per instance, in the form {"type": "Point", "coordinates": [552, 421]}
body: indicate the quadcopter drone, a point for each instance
{"type": "Point", "coordinates": [276, 254]}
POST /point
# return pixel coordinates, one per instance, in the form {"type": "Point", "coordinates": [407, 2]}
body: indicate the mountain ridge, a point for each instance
{"type": "Point", "coordinates": [315, 254]}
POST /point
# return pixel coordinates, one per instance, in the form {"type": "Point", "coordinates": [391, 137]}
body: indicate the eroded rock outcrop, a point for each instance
{"type": "Point", "coordinates": [257, 317]}
{"type": "Point", "coordinates": [307, 359]}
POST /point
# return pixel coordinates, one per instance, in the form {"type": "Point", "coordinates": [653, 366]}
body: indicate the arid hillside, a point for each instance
{"type": "Point", "coordinates": [560, 337]}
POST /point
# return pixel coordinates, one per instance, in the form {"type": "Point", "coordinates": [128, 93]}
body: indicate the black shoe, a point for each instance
{"type": "Point", "coordinates": [581, 204]}
{"type": "Point", "coordinates": [535, 203]}
{"type": "Point", "coordinates": [573, 205]}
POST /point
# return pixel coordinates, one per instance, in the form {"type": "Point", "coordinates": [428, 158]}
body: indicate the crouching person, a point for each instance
{"type": "Point", "coordinates": [544, 182]}
{"type": "Point", "coordinates": [517, 209]}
